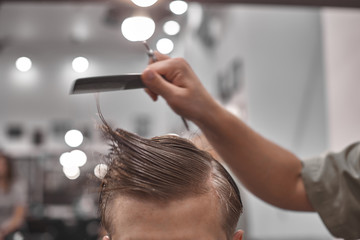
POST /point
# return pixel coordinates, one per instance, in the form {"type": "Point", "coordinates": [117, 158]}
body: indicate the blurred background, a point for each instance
{"type": "Point", "coordinates": [290, 71]}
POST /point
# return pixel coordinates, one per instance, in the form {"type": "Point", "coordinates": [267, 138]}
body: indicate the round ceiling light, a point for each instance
{"type": "Point", "coordinates": [144, 3]}
{"type": "Point", "coordinates": [72, 172]}
{"type": "Point", "coordinates": [80, 64]}
{"type": "Point", "coordinates": [100, 170]}
{"type": "Point", "coordinates": [74, 138]}
{"type": "Point", "coordinates": [171, 28]}
{"type": "Point", "coordinates": [178, 7]}
{"type": "Point", "coordinates": [23, 64]}
{"type": "Point", "coordinates": [165, 46]}
{"type": "Point", "coordinates": [138, 28]}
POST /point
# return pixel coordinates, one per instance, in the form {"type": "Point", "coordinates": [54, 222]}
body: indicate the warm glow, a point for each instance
{"type": "Point", "coordinates": [165, 45]}
{"type": "Point", "coordinates": [178, 7]}
{"type": "Point", "coordinates": [171, 27]}
{"type": "Point", "coordinates": [144, 3]}
{"type": "Point", "coordinates": [80, 64]}
{"type": "Point", "coordinates": [23, 64]}
{"type": "Point", "coordinates": [74, 138]}
{"type": "Point", "coordinates": [138, 28]}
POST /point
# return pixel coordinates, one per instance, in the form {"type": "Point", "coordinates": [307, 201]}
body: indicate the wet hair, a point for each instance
{"type": "Point", "coordinates": [164, 168]}
{"type": "Point", "coordinates": [9, 175]}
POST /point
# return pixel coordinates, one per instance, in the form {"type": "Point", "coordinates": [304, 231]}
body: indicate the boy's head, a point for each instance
{"type": "Point", "coordinates": [166, 188]}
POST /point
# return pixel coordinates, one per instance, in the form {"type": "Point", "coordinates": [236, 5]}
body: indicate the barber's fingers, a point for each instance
{"type": "Point", "coordinates": [160, 56]}
{"type": "Point", "coordinates": [153, 96]}
{"type": "Point", "coordinates": [157, 84]}
{"type": "Point", "coordinates": [176, 71]}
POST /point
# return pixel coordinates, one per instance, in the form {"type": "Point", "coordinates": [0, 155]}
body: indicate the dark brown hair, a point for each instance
{"type": "Point", "coordinates": [9, 177]}
{"type": "Point", "coordinates": [164, 168]}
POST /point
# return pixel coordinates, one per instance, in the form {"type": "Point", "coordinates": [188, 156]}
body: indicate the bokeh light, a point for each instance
{"type": "Point", "coordinates": [171, 27]}
{"type": "Point", "coordinates": [144, 3]}
{"type": "Point", "coordinates": [138, 28]}
{"type": "Point", "coordinates": [72, 172]}
{"type": "Point", "coordinates": [74, 138]}
{"type": "Point", "coordinates": [80, 64]}
{"type": "Point", "coordinates": [165, 46]}
{"type": "Point", "coordinates": [100, 170]}
{"type": "Point", "coordinates": [65, 159]}
{"type": "Point", "coordinates": [23, 64]}
{"type": "Point", "coordinates": [178, 7]}
{"type": "Point", "coordinates": [78, 157]}
{"type": "Point", "coordinates": [75, 158]}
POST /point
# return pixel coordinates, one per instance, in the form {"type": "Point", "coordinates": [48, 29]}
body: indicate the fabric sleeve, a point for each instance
{"type": "Point", "coordinates": [332, 183]}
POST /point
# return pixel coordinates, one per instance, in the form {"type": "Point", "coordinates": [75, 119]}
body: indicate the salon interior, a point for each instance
{"type": "Point", "coordinates": [289, 69]}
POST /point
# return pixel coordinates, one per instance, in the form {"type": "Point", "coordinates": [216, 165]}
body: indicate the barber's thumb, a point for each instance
{"type": "Point", "coordinates": [156, 83]}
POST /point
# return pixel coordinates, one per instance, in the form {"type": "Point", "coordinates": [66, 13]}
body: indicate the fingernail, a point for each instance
{"type": "Point", "coordinates": [149, 75]}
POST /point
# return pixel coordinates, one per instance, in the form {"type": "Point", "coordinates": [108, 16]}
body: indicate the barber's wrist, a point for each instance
{"type": "Point", "coordinates": [209, 115]}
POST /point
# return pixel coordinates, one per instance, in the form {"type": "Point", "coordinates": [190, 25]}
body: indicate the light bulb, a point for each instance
{"type": "Point", "coordinates": [165, 45]}
{"type": "Point", "coordinates": [74, 138]}
{"type": "Point", "coordinates": [144, 3]}
{"type": "Point", "coordinates": [178, 7]}
{"type": "Point", "coordinates": [171, 27]}
{"type": "Point", "coordinates": [23, 64]}
{"type": "Point", "coordinates": [80, 64]}
{"type": "Point", "coordinates": [138, 28]}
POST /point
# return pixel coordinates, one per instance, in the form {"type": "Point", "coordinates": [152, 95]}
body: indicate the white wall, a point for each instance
{"type": "Point", "coordinates": [342, 59]}
{"type": "Point", "coordinates": [281, 50]}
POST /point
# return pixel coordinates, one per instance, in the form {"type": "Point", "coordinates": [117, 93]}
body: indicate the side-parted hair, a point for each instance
{"type": "Point", "coordinates": [164, 168]}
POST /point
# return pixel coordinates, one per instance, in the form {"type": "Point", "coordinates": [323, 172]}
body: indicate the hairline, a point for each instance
{"type": "Point", "coordinates": [209, 184]}
{"type": "Point", "coordinates": [212, 192]}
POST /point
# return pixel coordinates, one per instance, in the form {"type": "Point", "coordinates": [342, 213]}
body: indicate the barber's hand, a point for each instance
{"type": "Point", "coordinates": [175, 81]}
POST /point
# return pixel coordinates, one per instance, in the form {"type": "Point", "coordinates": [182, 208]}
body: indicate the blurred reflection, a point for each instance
{"type": "Point", "coordinates": [13, 199]}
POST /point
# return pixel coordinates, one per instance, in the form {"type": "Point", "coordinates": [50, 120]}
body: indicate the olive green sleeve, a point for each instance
{"type": "Point", "coordinates": [332, 183]}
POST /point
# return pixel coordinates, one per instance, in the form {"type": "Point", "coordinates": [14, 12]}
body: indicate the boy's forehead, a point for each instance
{"type": "Point", "coordinates": [190, 218]}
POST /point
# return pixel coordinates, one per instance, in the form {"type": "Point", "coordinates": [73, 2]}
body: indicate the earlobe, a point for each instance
{"type": "Point", "coordinates": [238, 235]}
{"type": "Point", "coordinates": [106, 237]}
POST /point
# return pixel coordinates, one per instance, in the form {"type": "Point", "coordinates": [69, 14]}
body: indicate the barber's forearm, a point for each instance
{"type": "Point", "coordinates": [16, 220]}
{"type": "Point", "coordinates": [269, 171]}
{"type": "Point", "coordinates": [266, 169]}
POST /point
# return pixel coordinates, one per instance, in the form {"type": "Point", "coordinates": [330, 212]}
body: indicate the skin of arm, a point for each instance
{"type": "Point", "coordinates": [14, 222]}
{"type": "Point", "coordinates": [266, 169]}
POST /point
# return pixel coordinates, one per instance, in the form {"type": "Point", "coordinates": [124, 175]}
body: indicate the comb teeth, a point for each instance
{"type": "Point", "coordinates": [107, 83]}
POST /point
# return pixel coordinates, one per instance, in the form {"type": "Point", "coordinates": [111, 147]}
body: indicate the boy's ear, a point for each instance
{"type": "Point", "coordinates": [237, 236]}
{"type": "Point", "coordinates": [106, 237]}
